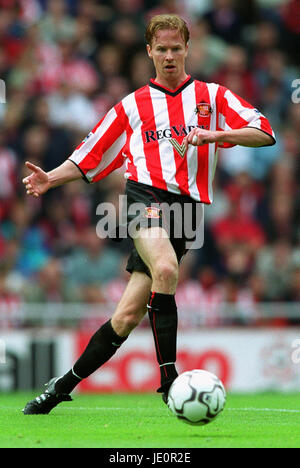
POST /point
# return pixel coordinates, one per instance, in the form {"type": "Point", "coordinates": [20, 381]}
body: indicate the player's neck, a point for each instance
{"type": "Point", "coordinates": [171, 84]}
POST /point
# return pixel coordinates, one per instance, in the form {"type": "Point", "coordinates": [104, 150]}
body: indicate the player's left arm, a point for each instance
{"type": "Point", "coordinates": [247, 136]}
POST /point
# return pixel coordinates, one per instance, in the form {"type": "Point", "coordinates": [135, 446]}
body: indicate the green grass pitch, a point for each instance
{"type": "Point", "coordinates": [142, 420]}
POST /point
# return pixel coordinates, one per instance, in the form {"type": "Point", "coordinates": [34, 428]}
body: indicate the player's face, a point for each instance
{"type": "Point", "coordinates": [168, 52]}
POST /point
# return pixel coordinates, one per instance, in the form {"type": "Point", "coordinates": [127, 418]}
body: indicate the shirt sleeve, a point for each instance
{"type": "Point", "coordinates": [235, 113]}
{"type": "Point", "coordinates": [101, 152]}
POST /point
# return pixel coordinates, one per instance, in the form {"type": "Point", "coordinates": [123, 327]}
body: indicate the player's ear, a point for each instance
{"type": "Point", "coordinates": [149, 51]}
{"type": "Point", "coordinates": [186, 50]}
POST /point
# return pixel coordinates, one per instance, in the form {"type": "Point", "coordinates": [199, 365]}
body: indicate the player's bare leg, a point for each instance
{"type": "Point", "coordinates": [133, 304]}
{"type": "Point", "coordinates": [102, 346]}
{"type": "Point", "coordinates": [156, 250]}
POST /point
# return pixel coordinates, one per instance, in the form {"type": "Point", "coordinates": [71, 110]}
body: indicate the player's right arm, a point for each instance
{"type": "Point", "coordinates": [100, 153]}
{"type": "Point", "coordinates": [39, 181]}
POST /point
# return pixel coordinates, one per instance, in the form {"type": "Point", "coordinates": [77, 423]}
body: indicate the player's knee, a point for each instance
{"type": "Point", "coordinates": [125, 320]}
{"type": "Point", "coordinates": [166, 272]}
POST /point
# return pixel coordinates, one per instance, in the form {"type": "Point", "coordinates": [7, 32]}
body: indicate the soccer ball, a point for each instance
{"type": "Point", "coordinates": [196, 397]}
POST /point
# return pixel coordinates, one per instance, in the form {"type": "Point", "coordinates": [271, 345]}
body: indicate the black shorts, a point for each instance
{"type": "Point", "coordinates": [152, 210]}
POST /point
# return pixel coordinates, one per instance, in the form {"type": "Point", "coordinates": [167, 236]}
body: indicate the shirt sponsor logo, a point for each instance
{"type": "Point", "coordinates": [172, 132]}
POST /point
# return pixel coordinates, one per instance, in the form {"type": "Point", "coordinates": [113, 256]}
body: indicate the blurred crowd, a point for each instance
{"type": "Point", "coordinates": [65, 63]}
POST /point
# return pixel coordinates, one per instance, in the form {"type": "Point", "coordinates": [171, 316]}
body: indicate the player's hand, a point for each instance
{"type": "Point", "coordinates": [37, 182]}
{"type": "Point", "coordinates": [200, 137]}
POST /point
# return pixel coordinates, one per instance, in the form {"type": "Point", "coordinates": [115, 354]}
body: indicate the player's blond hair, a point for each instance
{"type": "Point", "coordinates": [160, 22]}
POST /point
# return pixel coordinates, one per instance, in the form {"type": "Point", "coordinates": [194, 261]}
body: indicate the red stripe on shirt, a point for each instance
{"type": "Point", "coordinates": [94, 156]}
{"type": "Point", "coordinates": [151, 149]}
{"type": "Point", "coordinates": [115, 164]}
{"type": "Point", "coordinates": [234, 120]}
{"type": "Point", "coordinates": [113, 132]}
{"type": "Point", "coordinates": [176, 116]}
{"type": "Point", "coordinates": [202, 95]}
{"type": "Point", "coordinates": [131, 167]}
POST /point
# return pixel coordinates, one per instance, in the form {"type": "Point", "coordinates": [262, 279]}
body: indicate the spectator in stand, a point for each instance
{"type": "Point", "coordinates": [38, 64]}
{"type": "Point", "coordinates": [236, 73]}
{"type": "Point", "coordinates": [19, 225]}
{"type": "Point", "coordinates": [8, 176]}
{"type": "Point", "coordinates": [221, 204]}
{"type": "Point", "coordinates": [127, 26]}
{"type": "Point", "coordinates": [9, 302]}
{"type": "Point", "coordinates": [177, 7]}
{"type": "Point", "coordinates": [276, 79]}
{"type": "Point", "coordinates": [4, 64]}
{"type": "Point", "coordinates": [237, 229]}
{"type": "Point", "coordinates": [266, 39]}
{"type": "Point", "coordinates": [36, 140]}
{"type": "Point", "coordinates": [11, 32]}
{"type": "Point", "coordinates": [80, 73]}
{"type": "Point", "coordinates": [194, 8]}
{"type": "Point", "coordinates": [291, 36]}
{"type": "Point", "coordinates": [291, 147]}
{"type": "Point", "coordinates": [109, 61]}
{"type": "Point", "coordinates": [293, 292]}
{"type": "Point", "coordinates": [115, 85]}
{"type": "Point", "coordinates": [57, 225]}
{"type": "Point", "coordinates": [206, 51]}
{"type": "Point", "coordinates": [66, 108]}
{"type": "Point", "coordinates": [242, 307]}
{"type": "Point", "coordinates": [13, 116]}
{"type": "Point", "coordinates": [50, 285]}
{"type": "Point", "coordinates": [257, 285]}
{"type": "Point", "coordinates": [275, 263]}
{"type": "Point", "coordinates": [280, 213]}
{"type": "Point", "coordinates": [293, 295]}
{"type": "Point", "coordinates": [141, 70]}
{"type": "Point", "coordinates": [280, 224]}
{"type": "Point", "coordinates": [84, 38]}
{"type": "Point", "coordinates": [60, 141]}
{"type": "Point", "coordinates": [91, 265]}
{"type": "Point", "coordinates": [246, 192]}
{"type": "Point", "coordinates": [238, 263]}
{"type": "Point", "coordinates": [56, 24]}
{"type": "Point", "coordinates": [293, 116]}
{"type": "Point", "coordinates": [225, 21]}
{"type": "Point", "coordinates": [198, 298]}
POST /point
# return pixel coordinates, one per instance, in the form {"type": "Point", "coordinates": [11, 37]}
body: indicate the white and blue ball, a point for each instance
{"type": "Point", "coordinates": [197, 397]}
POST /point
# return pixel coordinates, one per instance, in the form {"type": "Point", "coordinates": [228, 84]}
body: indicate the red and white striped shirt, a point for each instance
{"type": "Point", "coordinates": [146, 130]}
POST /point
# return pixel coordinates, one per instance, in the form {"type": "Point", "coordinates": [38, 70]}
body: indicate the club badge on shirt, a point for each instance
{"type": "Point", "coordinates": [152, 212]}
{"type": "Point", "coordinates": [203, 109]}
